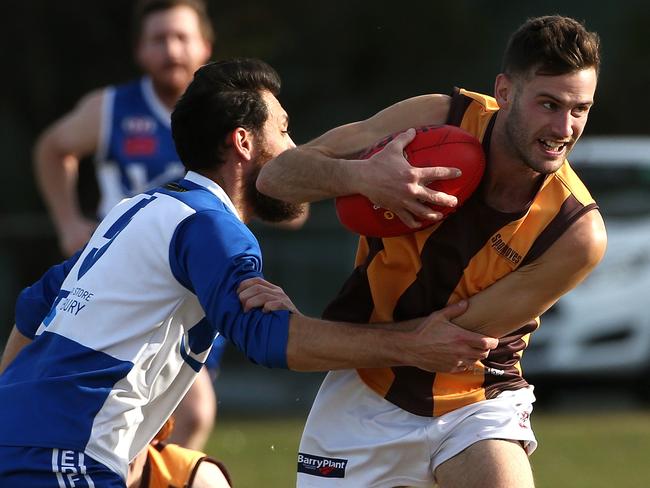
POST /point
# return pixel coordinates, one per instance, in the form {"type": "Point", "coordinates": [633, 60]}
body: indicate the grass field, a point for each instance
{"type": "Point", "coordinates": [576, 450]}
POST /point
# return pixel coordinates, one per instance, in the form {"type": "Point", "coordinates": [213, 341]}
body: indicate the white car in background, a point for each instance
{"type": "Point", "coordinates": [600, 331]}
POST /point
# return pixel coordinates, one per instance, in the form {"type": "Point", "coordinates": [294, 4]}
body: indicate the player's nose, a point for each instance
{"type": "Point", "coordinates": [562, 124]}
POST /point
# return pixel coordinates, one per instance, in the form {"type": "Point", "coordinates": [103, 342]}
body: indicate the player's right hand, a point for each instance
{"type": "Point", "coordinates": [440, 346]}
{"type": "Point", "coordinates": [392, 183]}
{"type": "Point", "coordinates": [75, 234]}
{"type": "Point", "coordinates": [259, 293]}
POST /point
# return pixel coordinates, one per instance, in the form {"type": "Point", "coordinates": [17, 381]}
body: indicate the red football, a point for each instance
{"type": "Point", "coordinates": [439, 145]}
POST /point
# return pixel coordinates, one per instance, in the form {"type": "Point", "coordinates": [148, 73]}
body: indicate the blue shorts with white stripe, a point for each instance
{"type": "Point", "coordinates": [36, 467]}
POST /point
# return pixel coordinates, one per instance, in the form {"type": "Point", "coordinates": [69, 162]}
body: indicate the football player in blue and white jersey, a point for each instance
{"type": "Point", "coordinates": [122, 328]}
{"type": "Point", "coordinates": [127, 128]}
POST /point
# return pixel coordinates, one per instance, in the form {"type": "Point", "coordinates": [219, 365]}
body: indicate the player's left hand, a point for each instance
{"type": "Point", "coordinates": [259, 293]}
{"type": "Point", "coordinates": [389, 181]}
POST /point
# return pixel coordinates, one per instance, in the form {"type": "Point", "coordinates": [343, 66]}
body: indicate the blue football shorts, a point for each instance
{"type": "Point", "coordinates": [36, 467]}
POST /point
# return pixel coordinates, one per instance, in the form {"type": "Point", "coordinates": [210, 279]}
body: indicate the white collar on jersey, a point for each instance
{"type": "Point", "coordinates": [214, 188]}
{"type": "Point", "coordinates": [155, 104]}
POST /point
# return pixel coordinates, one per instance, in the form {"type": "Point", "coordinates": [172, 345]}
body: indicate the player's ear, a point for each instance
{"type": "Point", "coordinates": [241, 141]}
{"type": "Point", "coordinates": [503, 90]}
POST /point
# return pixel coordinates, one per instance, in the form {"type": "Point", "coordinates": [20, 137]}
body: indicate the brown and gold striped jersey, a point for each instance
{"type": "Point", "coordinates": [411, 276]}
{"type": "Point", "coordinates": [173, 466]}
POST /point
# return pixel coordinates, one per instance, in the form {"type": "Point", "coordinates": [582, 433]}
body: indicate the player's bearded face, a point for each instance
{"type": "Point", "coordinates": [547, 115]}
{"type": "Point", "coordinates": [264, 207]}
{"type": "Point", "coordinates": [172, 47]}
{"type": "Point", "coordinates": [523, 138]}
{"type": "Point", "coordinates": [517, 132]}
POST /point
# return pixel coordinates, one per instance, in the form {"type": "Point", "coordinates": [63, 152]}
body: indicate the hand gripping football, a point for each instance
{"type": "Point", "coordinates": [441, 145]}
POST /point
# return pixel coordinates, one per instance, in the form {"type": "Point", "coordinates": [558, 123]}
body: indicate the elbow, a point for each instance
{"type": "Point", "coordinates": [46, 156]}
{"type": "Point", "coordinates": [601, 243]}
{"type": "Point", "coordinates": [262, 337]}
{"type": "Point", "coordinates": [594, 242]}
{"type": "Point", "coordinates": [271, 182]}
{"type": "Point", "coordinates": [265, 182]}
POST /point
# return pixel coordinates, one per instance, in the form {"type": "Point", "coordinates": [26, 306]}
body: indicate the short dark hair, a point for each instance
{"type": "Point", "coordinates": [223, 95]}
{"type": "Point", "coordinates": [144, 8]}
{"type": "Point", "coordinates": [551, 45]}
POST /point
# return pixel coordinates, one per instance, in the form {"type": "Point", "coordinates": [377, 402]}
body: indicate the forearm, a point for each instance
{"type": "Point", "coordinates": [326, 167]}
{"type": "Point", "coordinates": [310, 344]}
{"type": "Point", "coordinates": [306, 174]}
{"type": "Point", "coordinates": [501, 317]}
{"type": "Point", "coordinates": [431, 343]}
{"type": "Point", "coordinates": [57, 155]}
{"type": "Point", "coordinates": [317, 345]}
{"type": "Point", "coordinates": [516, 299]}
{"type": "Point", "coordinates": [528, 292]}
{"type": "Point", "coordinates": [57, 174]}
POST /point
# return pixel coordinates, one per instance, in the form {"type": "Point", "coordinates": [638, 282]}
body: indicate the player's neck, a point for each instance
{"type": "Point", "coordinates": [231, 180]}
{"type": "Point", "coordinates": [508, 185]}
{"type": "Point", "coordinates": [167, 95]}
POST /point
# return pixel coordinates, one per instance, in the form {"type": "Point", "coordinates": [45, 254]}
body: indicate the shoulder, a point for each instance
{"type": "Point", "coordinates": [220, 220]}
{"type": "Point", "coordinates": [88, 108]}
{"type": "Point", "coordinates": [568, 178]}
{"type": "Point", "coordinates": [209, 475]}
{"type": "Point", "coordinates": [586, 239]}
{"type": "Point", "coordinates": [461, 95]}
{"type": "Point", "coordinates": [589, 233]}
{"type": "Point", "coordinates": [86, 115]}
{"type": "Point", "coordinates": [78, 130]}
{"type": "Point", "coordinates": [214, 235]}
{"type": "Point", "coordinates": [91, 103]}
{"type": "Point", "coordinates": [131, 86]}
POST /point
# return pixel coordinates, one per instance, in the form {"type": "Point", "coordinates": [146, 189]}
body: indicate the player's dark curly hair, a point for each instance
{"type": "Point", "coordinates": [144, 8]}
{"type": "Point", "coordinates": [223, 96]}
{"type": "Point", "coordinates": [551, 45]}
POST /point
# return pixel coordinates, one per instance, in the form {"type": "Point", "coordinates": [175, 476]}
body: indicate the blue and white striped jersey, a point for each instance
{"type": "Point", "coordinates": [119, 341]}
{"type": "Point", "coordinates": [136, 150]}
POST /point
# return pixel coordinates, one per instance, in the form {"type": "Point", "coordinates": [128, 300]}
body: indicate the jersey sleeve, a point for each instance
{"type": "Point", "coordinates": [35, 301]}
{"type": "Point", "coordinates": [211, 253]}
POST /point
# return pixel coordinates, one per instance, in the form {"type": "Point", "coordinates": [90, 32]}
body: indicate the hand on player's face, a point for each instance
{"type": "Point", "coordinates": [259, 293]}
{"type": "Point", "coordinates": [443, 347]}
{"type": "Point", "coordinates": [392, 183]}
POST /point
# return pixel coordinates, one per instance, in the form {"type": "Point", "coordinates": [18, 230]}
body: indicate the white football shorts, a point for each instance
{"type": "Point", "coordinates": [355, 438]}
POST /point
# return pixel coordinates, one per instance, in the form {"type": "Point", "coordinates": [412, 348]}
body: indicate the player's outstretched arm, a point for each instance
{"type": "Point", "coordinates": [326, 167]}
{"type": "Point", "coordinates": [432, 343]}
{"type": "Point", "coordinates": [528, 292]}
{"type": "Point", "coordinates": [56, 164]}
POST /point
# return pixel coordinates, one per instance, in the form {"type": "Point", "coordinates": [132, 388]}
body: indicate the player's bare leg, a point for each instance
{"type": "Point", "coordinates": [495, 463]}
{"type": "Point", "coordinates": [195, 415]}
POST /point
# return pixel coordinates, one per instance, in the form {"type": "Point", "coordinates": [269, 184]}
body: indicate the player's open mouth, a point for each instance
{"type": "Point", "coordinates": [553, 146]}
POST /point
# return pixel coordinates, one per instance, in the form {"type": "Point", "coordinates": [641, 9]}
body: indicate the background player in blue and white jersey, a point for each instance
{"type": "Point", "coordinates": [127, 128]}
{"type": "Point", "coordinates": [123, 327]}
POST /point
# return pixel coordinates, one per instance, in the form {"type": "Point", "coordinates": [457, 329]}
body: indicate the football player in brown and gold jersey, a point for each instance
{"type": "Point", "coordinates": [529, 234]}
